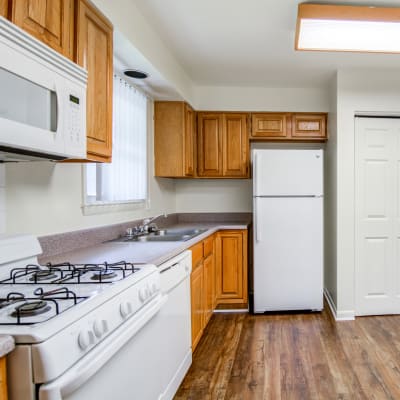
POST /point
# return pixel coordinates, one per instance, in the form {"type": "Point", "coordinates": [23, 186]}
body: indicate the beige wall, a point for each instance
{"type": "Point", "coordinates": [45, 198]}
{"type": "Point", "coordinates": [2, 199]}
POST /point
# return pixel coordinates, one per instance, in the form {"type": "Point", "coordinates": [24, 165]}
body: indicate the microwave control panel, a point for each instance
{"type": "Point", "coordinates": [74, 120]}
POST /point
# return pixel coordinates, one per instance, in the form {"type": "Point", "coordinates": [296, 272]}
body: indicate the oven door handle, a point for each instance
{"type": "Point", "coordinates": [82, 371]}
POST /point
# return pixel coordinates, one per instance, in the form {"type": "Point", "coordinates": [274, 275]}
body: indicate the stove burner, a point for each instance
{"type": "Point", "coordinates": [31, 308]}
{"type": "Point", "coordinates": [103, 274]}
{"type": "Point", "coordinates": [42, 276]}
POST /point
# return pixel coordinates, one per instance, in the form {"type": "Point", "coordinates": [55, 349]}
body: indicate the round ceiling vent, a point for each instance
{"type": "Point", "coordinates": [136, 74]}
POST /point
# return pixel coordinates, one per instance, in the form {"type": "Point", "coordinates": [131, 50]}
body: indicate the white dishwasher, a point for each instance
{"type": "Point", "coordinates": [174, 323]}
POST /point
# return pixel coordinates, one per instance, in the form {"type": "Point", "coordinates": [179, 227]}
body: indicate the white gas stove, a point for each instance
{"type": "Point", "coordinates": [62, 314]}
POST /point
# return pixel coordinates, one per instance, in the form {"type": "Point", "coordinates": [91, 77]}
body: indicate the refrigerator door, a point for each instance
{"type": "Point", "coordinates": [292, 172]}
{"type": "Point", "coordinates": [288, 251]}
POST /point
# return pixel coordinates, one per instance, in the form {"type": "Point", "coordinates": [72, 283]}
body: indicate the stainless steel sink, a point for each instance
{"type": "Point", "coordinates": [164, 235]}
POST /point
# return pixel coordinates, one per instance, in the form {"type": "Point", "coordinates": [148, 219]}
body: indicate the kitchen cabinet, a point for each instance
{"type": "Point", "coordinates": [174, 139]}
{"type": "Point", "coordinates": [231, 267]}
{"type": "Point", "coordinates": [270, 125]}
{"type": "Point", "coordinates": [289, 126]}
{"type": "Point", "coordinates": [209, 279]}
{"type": "Point", "coordinates": [223, 149]}
{"type": "Point", "coordinates": [3, 379]}
{"type": "Point", "coordinates": [309, 126]}
{"type": "Point", "coordinates": [4, 8]}
{"type": "Point", "coordinates": [203, 299]}
{"type": "Point", "coordinates": [197, 298]}
{"type": "Point", "coordinates": [94, 52]}
{"type": "Point", "coordinates": [52, 22]}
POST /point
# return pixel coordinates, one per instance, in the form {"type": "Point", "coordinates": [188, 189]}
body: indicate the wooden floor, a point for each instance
{"type": "Point", "coordinates": [298, 356]}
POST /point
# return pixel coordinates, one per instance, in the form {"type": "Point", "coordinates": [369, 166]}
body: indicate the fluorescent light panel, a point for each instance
{"type": "Point", "coordinates": [342, 28]}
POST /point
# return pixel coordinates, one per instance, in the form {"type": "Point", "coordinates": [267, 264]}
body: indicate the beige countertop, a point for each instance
{"type": "Point", "coordinates": [141, 252]}
{"type": "Point", "coordinates": [6, 345]}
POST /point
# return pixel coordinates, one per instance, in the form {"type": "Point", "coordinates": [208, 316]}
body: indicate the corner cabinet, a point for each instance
{"type": "Point", "coordinates": [52, 22]}
{"type": "Point", "coordinates": [94, 52]}
{"type": "Point", "coordinates": [174, 139]}
{"type": "Point", "coordinates": [231, 272]}
{"type": "Point", "coordinates": [222, 142]}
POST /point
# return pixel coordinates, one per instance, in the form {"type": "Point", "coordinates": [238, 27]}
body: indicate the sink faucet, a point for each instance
{"type": "Point", "coordinates": [148, 223]}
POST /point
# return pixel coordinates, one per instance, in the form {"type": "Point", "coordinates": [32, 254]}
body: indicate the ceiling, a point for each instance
{"type": "Point", "coordinates": [249, 43]}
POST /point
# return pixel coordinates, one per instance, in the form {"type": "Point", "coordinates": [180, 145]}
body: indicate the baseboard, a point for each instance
{"type": "Point", "coordinates": [346, 315]}
{"type": "Point", "coordinates": [232, 310]}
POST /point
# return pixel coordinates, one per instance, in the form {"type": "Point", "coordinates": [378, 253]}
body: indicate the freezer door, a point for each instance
{"type": "Point", "coordinates": [292, 172]}
{"type": "Point", "coordinates": [288, 254]}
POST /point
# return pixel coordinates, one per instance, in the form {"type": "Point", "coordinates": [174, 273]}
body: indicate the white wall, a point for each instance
{"type": "Point", "coordinates": [363, 91]}
{"type": "Point", "coordinates": [330, 214]}
{"type": "Point", "coordinates": [2, 199]}
{"type": "Point", "coordinates": [45, 198]}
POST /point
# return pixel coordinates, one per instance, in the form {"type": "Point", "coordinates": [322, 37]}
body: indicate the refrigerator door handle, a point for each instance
{"type": "Point", "coordinates": [256, 223]}
{"type": "Point", "coordinates": [255, 174]}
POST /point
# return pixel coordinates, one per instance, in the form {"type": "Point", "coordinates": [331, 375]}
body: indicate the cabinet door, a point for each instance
{"type": "Point", "coordinates": [309, 126]}
{"type": "Point", "coordinates": [95, 53]}
{"type": "Point", "coordinates": [235, 146]}
{"type": "Point", "coordinates": [197, 304]}
{"type": "Point", "coordinates": [3, 379]}
{"type": "Point", "coordinates": [189, 140]}
{"type": "Point", "coordinates": [231, 262]}
{"type": "Point", "coordinates": [210, 144]}
{"type": "Point", "coordinates": [4, 8]}
{"type": "Point", "coordinates": [49, 21]}
{"type": "Point", "coordinates": [270, 125]}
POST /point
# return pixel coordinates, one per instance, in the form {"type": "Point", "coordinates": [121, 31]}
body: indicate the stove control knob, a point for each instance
{"type": "Point", "coordinates": [125, 309]}
{"type": "Point", "coordinates": [100, 328]}
{"type": "Point", "coordinates": [143, 294]}
{"type": "Point", "coordinates": [85, 339]}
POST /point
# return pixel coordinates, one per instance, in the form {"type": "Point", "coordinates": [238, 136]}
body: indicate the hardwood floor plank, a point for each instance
{"type": "Point", "coordinates": [295, 357]}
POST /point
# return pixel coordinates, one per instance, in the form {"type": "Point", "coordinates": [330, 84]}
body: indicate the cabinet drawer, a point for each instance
{"type": "Point", "coordinates": [270, 125]}
{"type": "Point", "coordinates": [208, 246]}
{"type": "Point", "coordinates": [197, 254]}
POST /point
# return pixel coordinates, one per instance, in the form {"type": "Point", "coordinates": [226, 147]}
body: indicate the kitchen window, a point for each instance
{"type": "Point", "coordinates": [124, 181]}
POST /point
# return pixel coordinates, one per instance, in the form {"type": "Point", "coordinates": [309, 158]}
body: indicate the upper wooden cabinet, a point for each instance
{"type": "Point", "coordinates": [4, 8]}
{"type": "Point", "coordinates": [52, 22]}
{"type": "Point", "coordinates": [174, 139]}
{"type": "Point", "coordinates": [95, 53]}
{"type": "Point", "coordinates": [270, 125]}
{"type": "Point", "coordinates": [223, 149]}
{"type": "Point", "coordinates": [289, 126]}
{"type": "Point", "coordinates": [305, 126]}
{"type": "Point", "coordinates": [209, 144]}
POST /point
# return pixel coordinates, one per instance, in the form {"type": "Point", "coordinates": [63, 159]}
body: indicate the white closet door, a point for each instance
{"type": "Point", "coordinates": [377, 203]}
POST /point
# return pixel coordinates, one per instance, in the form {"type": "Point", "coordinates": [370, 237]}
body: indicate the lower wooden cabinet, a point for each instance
{"type": "Point", "coordinates": [197, 303]}
{"type": "Point", "coordinates": [231, 271]}
{"type": "Point", "coordinates": [3, 379]}
{"type": "Point", "coordinates": [219, 277]}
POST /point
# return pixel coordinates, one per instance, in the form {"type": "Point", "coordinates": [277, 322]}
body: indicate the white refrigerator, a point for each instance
{"type": "Point", "coordinates": [288, 229]}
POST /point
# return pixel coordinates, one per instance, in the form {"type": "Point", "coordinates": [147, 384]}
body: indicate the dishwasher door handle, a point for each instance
{"type": "Point", "coordinates": [168, 268]}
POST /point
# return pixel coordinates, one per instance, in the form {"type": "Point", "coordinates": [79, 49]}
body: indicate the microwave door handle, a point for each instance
{"type": "Point", "coordinates": [90, 364]}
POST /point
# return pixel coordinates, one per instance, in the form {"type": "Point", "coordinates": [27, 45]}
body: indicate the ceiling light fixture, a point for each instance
{"type": "Point", "coordinates": [325, 27]}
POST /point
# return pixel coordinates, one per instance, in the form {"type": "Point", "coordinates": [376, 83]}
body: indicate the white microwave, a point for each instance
{"type": "Point", "coordinates": [42, 100]}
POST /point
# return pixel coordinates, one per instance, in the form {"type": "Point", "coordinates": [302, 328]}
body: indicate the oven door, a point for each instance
{"type": "Point", "coordinates": [123, 366]}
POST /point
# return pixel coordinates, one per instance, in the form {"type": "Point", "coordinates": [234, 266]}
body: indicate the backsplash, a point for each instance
{"type": "Point", "coordinates": [2, 199]}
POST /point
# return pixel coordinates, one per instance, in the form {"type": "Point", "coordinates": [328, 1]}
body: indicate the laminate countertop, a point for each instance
{"type": "Point", "coordinates": [141, 252]}
{"type": "Point", "coordinates": [6, 345]}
